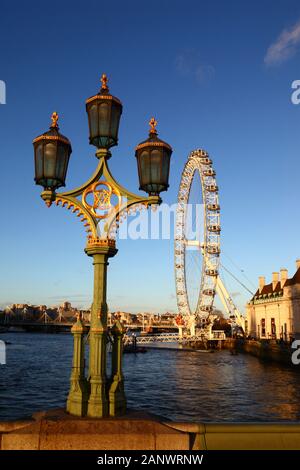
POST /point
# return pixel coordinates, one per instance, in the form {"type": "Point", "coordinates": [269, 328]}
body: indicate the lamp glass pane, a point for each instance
{"type": "Point", "coordinates": [61, 162]}
{"type": "Point", "coordinates": [165, 167]}
{"type": "Point", "coordinates": [145, 168]}
{"type": "Point", "coordinates": [39, 161]}
{"type": "Point", "coordinates": [115, 119]}
{"type": "Point", "coordinates": [155, 166]}
{"type": "Point", "coordinates": [103, 119]}
{"type": "Point", "coordinates": [50, 160]}
{"type": "Point", "coordinates": [93, 112]}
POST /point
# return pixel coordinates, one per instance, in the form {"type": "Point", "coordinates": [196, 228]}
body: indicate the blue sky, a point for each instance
{"type": "Point", "coordinates": [216, 75]}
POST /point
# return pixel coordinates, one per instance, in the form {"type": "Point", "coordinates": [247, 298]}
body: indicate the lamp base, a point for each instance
{"type": "Point", "coordinates": [48, 196]}
{"type": "Point", "coordinates": [103, 153]}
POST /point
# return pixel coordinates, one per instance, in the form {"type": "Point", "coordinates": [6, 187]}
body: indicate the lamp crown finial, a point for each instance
{"type": "Point", "coordinates": [153, 124]}
{"type": "Point", "coordinates": [54, 120]}
{"type": "Point", "coordinates": [104, 81]}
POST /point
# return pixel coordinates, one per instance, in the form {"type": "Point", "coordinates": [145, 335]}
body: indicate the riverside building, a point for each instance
{"type": "Point", "coordinates": [274, 310]}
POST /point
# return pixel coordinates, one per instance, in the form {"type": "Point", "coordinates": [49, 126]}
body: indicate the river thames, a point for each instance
{"type": "Point", "coordinates": [178, 385]}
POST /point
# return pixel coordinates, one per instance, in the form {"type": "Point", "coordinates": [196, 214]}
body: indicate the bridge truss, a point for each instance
{"type": "Point", "coordinates": [215, 335]}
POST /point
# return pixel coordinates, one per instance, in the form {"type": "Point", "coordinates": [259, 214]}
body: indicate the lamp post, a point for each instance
{"type": "Point", "coordinates": [95, 395]}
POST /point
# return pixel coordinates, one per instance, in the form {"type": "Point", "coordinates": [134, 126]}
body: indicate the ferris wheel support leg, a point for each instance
{"type": "Point", "coordinates": [230, 307]}
{"type": "Point", "coordinates": [220, 292]}
{"type": "Point", "coordinates": [193, 326]}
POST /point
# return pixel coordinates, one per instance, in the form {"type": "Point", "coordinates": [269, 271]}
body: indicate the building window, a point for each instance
{"type": "Point", "coordinates": [263, 327]}
{"type": "Point", "coordinates": [273, 328]}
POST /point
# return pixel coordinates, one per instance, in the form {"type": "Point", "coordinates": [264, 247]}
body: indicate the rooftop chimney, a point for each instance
{"type": "Point", "coordinates": [275, 279]}
{"type": "Point", "coordinates": [283, 276]}
{"type": "Point", "coordinates": [297, 264]}
{"type": "Point", "coordinates": [261, 283]}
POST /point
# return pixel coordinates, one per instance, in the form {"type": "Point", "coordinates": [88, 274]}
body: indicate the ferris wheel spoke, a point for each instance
{"type": "Point", "coordinates": [195, 259]}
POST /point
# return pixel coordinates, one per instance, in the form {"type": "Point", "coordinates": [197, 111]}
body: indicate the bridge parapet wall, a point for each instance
{"type": "Point", "coordinates": [138, 430]}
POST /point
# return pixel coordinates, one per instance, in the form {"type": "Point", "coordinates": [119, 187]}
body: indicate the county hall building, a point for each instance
{"type": "Point", "coordinates": [274, 310]}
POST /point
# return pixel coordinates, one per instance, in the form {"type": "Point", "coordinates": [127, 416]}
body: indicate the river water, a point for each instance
{"type": "Point", "coordinates": [179, 385]}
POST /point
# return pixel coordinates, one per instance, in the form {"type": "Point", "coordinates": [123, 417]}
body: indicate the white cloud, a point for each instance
{"type": "Point", "coordinates": [188, 64]}
{"type": "Point", "coordinates": [204, 73]}
{"type": "Point", "coordinates": [182, 64]}
{"type": "Point", "coordinates": [284, 47]}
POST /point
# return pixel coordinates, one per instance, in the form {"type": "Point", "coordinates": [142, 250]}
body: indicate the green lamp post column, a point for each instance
{"type": "Point", "coordinates": [98, 402]}
{"type": "Point", "coordinates": [117, 399]}
{"type": "Point", "coordinates": [78, 395]}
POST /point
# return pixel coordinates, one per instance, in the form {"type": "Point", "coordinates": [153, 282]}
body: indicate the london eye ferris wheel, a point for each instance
{"type": "Point", "coordinates": [198, 252]}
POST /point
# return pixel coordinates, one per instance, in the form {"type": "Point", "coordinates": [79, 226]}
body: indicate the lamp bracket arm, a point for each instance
{"type": "Point", "coordinates": [131, 197]}
{"type": "Point", "coordinates": [72, 203]}
{"type": "Point", "coordinates": [128, 199]}
{"type": "Point", "coordinates": [95, 177]}
{"type": "Point", "coordinates": [125, 207]}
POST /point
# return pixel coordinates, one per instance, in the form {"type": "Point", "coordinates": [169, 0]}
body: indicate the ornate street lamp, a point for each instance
{"type": "Point", "coordinates": [52, 151]}
{"type": "Point", "coordinates": [104, 112]}
{"type": "Point", "coordinates": [98, 396]}
{"type": "Point", "coordinates": [153, 159]}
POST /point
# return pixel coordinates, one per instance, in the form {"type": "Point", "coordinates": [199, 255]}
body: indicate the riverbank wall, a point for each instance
{"type": "Point", "coordinates": [269, 350]}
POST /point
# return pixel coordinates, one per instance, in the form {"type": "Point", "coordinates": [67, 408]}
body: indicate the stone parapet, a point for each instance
{"type": "Point", "coordinates": [56, 430]}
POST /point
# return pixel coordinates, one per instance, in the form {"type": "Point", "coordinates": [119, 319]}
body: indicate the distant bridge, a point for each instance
{"type": "Point", "coordinates": [216, 335]}
{"type": "Point", "coordinates": [56, 326]}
